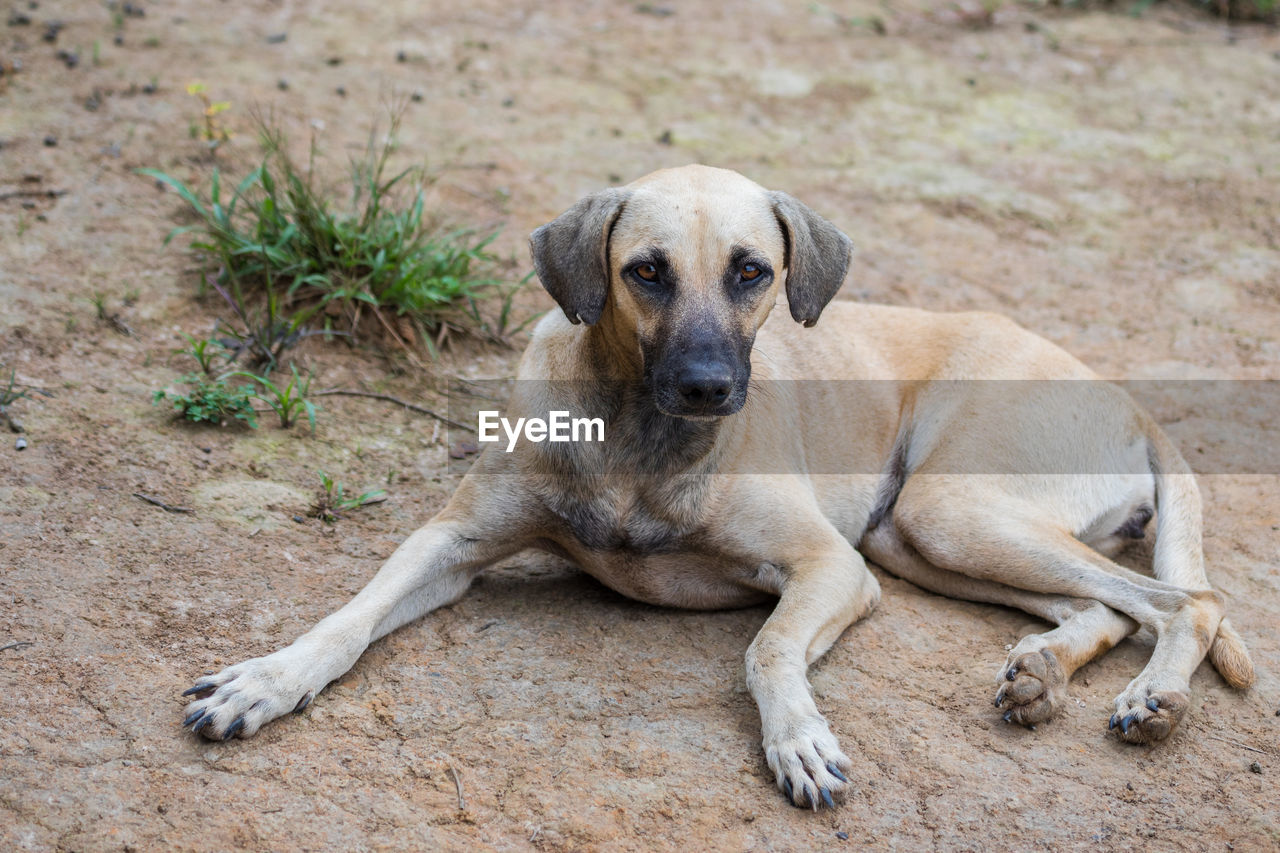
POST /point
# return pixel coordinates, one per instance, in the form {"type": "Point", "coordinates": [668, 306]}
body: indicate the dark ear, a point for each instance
{"type": "Point", "coordinates": [817, 257]}
{"type": "Point", "coordinates": [571, 254]}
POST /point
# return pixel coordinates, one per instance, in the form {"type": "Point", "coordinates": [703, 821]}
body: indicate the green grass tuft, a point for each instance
{"type": "Point", "coordinates": [276, 236]}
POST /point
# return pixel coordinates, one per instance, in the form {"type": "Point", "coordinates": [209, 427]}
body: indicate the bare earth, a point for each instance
{"type": "Point", "coordinates": [1110, 182]}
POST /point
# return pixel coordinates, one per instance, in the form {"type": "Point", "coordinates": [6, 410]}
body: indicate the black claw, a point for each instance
{"type": "Point", "coordinates": [999, 699]}
{"type": "Point", "coordinates": [204, 720]}
{"type": "Point", "coordinates": [826, 798]}
{"type": "Point", "coordinates": [1012, 674]}
{"type": "Point", "coordinates": [192, 717]}
{"type": "Point", "coordinates": [199, 688]}
{"type": "Point", "coordinates": [303, 702]}
{"type": "Point", "coordinates": [1153, 705]}
{"type": "Point", "coordinates": [835, 771]}
{"type": "Point", "coordinates": [786, 786]}
{"type": "Point", "coordinates": [1115, 721]}
{"type": "Point", "coordinates": [1126, 722]}
{"type": "Point", "coordinates": [233, 728]}
{"type": "Point", "coordinates": [1008, 716]}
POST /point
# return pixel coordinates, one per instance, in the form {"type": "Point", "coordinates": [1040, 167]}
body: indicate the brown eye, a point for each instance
{"type": "Point", "coordinates": [750, 272]}
{"type": "Point", "coordinates": [647, 272]}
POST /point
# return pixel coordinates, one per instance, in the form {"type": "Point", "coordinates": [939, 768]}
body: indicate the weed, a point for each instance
{"type": "Point", "coordinates": [99, 301]}
{"type": "Point", "coordinates": [331, 501]}
{"type": "Point", "coordinates": [9, 396]}
{"type": "Point", "coordinates": [210, 128]}
{"type": "Point", "coordinates": [276, 236]}
{"type": "Point", "coordinates": [212, 400]}
{"type": "Point", "coordinates": [204, 351]}
{"type": "Point", "coordinates": [266, 333]}
{"type": "Point", "coordinates": [12, 393]}
{"type": "Point", "coordinates": [287, 402]}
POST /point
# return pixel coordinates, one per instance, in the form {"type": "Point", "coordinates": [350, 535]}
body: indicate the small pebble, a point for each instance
{"type": "Point", "coordinates": [131, 10]}
{"type": "Point", "coordinates": [50, 141]}
{"type": "Point", "coordinates": [843, 836]}
{"type": "Point", "coordinates": [1256, 768]}
{"type": "Point", "coordinates": [298, 519]}
{"type": "Point", "coordinates": [21, 444]}
{"type": "Point", "coordinates": [282, 84]}
{"type": "Point", "coordinates": [119, 39]}
{"type": "Point", "coordinates": [342, 91]}
{"type": "Point", "coordinates": [69, 58]}
{"type": "Point", "coordinates": [276, 38]}
{"type": "Point", "coordinates": [149, 89]}
{"type": "Point", "coordinates": [416, 97]}
{"type": "Point", "coordinates": [334, 60]}
{"type": "Point", "coordinates": [18, 19]}
{"type": "Point", "coordinates": [401, 56]}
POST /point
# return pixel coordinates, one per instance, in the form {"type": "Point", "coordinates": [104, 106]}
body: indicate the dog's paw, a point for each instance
{"type": "Point", "coordinates": [1145, 714]}
{"type": "Point", "coordinates": [241, 698]}
{"type": "Point", "coordinates": [808, 765]}
{"type": "Point", "coordinates": [1033, 687]}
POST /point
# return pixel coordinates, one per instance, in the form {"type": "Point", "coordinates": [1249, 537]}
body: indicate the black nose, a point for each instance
{"type": "Point", "coordinates": [704, 386]}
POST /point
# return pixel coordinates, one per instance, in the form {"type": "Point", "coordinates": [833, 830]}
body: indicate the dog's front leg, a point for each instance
{"type": "Point", "coordinates": [433, 567]}
{"type": "Point", "coordinates": [822, 593]}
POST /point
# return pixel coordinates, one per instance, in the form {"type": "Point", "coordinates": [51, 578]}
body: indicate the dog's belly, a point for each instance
{"type": "Point", "coordinates": [679, 578]}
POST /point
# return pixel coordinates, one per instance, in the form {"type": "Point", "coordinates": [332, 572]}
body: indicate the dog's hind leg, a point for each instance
{"type": "Point", "coordinates": [1179, 554]}
{"type": "Point", "coordinates": [432, 568]}
{"type": "Point", "coordinates": [1032, 683]}
{"type": "Point", "coordinates": [1010, 540]}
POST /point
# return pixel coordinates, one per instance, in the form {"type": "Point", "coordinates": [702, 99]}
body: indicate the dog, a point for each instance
{"type": "Point", "coordinates": [722, 482]}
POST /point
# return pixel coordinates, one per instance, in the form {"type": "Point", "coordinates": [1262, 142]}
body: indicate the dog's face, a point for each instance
{"type": "Point", "coordinates": [686, 265]}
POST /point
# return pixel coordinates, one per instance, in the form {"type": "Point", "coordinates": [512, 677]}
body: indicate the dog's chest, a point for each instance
{"type": "Point", "coordinates": [611, 520]}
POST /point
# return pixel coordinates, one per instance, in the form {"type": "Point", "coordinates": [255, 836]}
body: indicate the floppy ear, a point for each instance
{"type": "Point", "coordinates": [571, 254]}
{"type": "Point", "coordinates": [817, 257]}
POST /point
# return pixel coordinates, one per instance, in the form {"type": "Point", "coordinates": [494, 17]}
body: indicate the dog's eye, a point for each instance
{"type": "Point", "coordinates": [750, 272]}
{"type": "Point", "coordinates": [646, 272]}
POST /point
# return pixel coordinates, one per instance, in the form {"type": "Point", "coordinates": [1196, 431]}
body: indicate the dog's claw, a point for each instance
{"type": "Point", "coordinates": [1115, 721]}
{"type": "Point", "coordinates": [1153, 705]}
{"type": "Point", "coordinates": [303, 702]}
{"type": "Point", "coordinates": [1008, 716]}
{"type": "Point", "coordinates": [835, 771]}
{"type": "Point", "coordinates": [1012, 674]}
{"type": "Point", "coordinates": [199, 688]}
{"type": "Point", "coordinates": [192, 717]}
{"type": "Point", "coordinates": [826, 798]}
{"type": "Point", "coordinates": [786, 786]}
{"type": "Point", "coordinates": [205, 719]}
{"type": "Point", "coordinates": [236, 726]}
{"type": "Point", "coordinates": [1127, 722]}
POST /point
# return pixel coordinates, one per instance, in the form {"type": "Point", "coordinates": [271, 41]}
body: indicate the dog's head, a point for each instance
{"type": "Point", "coordinates": [687, 263]}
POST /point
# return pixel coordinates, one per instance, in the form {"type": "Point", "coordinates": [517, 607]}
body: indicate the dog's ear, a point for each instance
{"type": "Point", "coordinates": [571, 254]}
{"type": "Point", "coordinates": [817, 257]}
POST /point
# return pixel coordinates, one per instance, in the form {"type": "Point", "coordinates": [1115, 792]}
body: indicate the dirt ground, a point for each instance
{"type": "Point", "coordinates": [1111, 182]}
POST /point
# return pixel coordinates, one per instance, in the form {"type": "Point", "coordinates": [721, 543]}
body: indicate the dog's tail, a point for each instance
{"type": "Point", "coordinates": [1179, 551]}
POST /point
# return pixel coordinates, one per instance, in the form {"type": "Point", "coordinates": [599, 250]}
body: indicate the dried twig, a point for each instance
{"type": "Point", "coordinates": [32, 194]}
{"type": "Point", "coordinates": [388, 398]}
{"type": "Point", "coordinates": [457, 783]}
{"type": "Point", "coordinates": [17, 645]}
{"type": "Point", "coordinates": [164, 506]}
{"type": "Point", "coordinates": [1241, 745]}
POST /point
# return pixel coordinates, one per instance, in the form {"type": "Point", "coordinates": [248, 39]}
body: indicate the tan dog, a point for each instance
{"type": "Point", "coordinates": [705, 496]}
